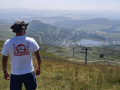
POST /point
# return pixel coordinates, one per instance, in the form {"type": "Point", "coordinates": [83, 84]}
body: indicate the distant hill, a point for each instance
{"type": "Point", "coordinates": [5, 31]}
{"type": "Point", "coordinates": [48, 34]}
{"type": "Point", "coordinates": [53, 19]}
{"type": "Point", "coordinates": [79, 23]}
{"type": "Point", "coordinates": [97, 24]}
{"type": "Point", "coordinates": [97, 29]}
{"type": "Point", "coordinates": [5, 27]}
{"type": "Point", "coordinates": [109, 29]}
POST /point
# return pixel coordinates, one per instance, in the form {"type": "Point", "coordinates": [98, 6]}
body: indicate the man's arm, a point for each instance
{"type": "Point", "coordinates": [37, 72]}
{"type": "Point", "coordinates": [4, 66]}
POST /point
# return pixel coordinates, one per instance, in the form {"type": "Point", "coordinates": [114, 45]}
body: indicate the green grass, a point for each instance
{"type": "Point", "coordinates": [93, 55]}
{"type": "Point", "coordinates": [63, 75]}
{"type": "Point", "coordinates": [60, 74]}
{"type": "Point", "coordinates": [110, 36]}
{"type": "Point", "coordinates": [50, 56]}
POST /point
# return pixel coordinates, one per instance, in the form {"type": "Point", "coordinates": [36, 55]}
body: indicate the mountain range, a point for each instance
{"type": "Point", "coordinates": [68, 32]}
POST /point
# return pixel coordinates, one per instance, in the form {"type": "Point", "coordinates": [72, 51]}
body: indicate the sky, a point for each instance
{"type": "Point", "coordinates": [83, 5]}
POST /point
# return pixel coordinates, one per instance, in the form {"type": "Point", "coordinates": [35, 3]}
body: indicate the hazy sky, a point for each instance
{"type": "Point", "coordinates": [97, 5]}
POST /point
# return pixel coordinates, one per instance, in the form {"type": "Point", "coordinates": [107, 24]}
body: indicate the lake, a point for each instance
{"type": "Point", "coordinates": [89, 42]}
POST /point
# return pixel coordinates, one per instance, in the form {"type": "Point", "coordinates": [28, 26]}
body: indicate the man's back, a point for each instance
{"type": "Point", "coordinates": [20, 49]}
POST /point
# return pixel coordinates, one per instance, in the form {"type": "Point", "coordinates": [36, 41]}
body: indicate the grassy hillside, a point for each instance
{"type": "Point", "coordinates": [62, 75]}
{"type": "Point", "coordinates": [5, 31]}
{"type": "Point", "coordinates": [59, 74]}
{"type": "Point", "coordinates": [110, 52]}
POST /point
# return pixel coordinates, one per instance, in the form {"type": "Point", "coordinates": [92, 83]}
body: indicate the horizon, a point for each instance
{"type": "Point", "coordinates": [71, 5]}
{"type": "Point", "coordinates": [76, 11]}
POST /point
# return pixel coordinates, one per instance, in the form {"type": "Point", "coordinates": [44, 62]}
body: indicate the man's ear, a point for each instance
{"type": "Point", "coordinates": [24, 31]}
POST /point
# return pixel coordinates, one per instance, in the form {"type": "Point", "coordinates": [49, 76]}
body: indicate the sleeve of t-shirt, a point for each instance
{"type": "Point", "coordinates": [5, 50]}
{"type": "Point", "coordinates": [35, 46]}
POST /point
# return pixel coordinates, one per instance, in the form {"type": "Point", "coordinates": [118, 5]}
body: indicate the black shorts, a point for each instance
{"type": "Point", "coordinates": [28, 79]}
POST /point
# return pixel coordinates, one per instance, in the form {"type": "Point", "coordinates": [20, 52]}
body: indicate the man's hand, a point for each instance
{"type": "Point", "coordinates": [6, 75]}
{"type": "Point", "coordinates": [37, 72]}
{"type": "Point", "coordinates": [4, 65]}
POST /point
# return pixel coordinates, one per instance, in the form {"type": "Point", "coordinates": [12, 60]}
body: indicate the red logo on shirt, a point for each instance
{"type": "Point", "coordinates": [21, 50]}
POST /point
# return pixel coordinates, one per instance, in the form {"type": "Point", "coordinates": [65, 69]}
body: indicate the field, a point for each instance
{"type": "Point", "coordinates": [63, 75]}
{"type": "Point", "coordinates": [59, 74]}
{"type": "Point", "coordinates": [110, 52]}
{"type": "Point", "coordinates": [5, 31]}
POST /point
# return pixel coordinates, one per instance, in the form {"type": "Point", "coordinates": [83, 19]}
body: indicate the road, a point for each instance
{"type": "Point", "coordinates": [105, 61]}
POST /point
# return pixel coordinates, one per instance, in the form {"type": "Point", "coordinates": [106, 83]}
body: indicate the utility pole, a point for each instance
{"type": "Point", "coordinates": [73, 49]}
{"type": "Point", "coordinates": [84, 50]}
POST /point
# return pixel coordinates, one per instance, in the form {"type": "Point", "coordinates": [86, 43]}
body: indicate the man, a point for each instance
{"type": "Point", "coordinates": [20, 49]}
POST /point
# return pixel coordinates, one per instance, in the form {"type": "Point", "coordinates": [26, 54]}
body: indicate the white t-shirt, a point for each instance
{"type": "Point", "coordinates": [20, 49]}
